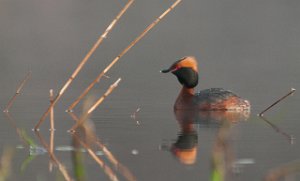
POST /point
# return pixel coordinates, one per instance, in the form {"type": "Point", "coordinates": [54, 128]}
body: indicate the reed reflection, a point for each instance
{"type": "Point", "coordinates": [55, 160]}
{"type": "Point", "coordinates": [86, 136]}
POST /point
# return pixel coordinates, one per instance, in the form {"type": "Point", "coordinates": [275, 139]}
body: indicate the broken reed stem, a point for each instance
{"type": "Point", "coordinates": [137, 39]}
{"type": "Point", "coordinates": [83, 62]}
{"type": "Point", "coordinates": [107, 170]}
{"type": "Point", "coordinates": [118, 166]}
{"type": "Point", "coordinates": [276, 102]}
{"type": "Point", "coordinates": [60, 166]}
{"type": "Point", "coordinates": [95, 105]}
{"type": "Point", "coordinates": [18, 92]}
{"type": "Point", "coordinates": [51, 111]}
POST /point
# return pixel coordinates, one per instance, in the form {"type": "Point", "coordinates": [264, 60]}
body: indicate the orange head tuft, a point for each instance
{"type": "Point", "coordinates": [185, 62]}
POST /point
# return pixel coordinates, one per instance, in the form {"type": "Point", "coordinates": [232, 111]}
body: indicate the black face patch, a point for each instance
{"type": "Point", "coordinates": [187, 77]}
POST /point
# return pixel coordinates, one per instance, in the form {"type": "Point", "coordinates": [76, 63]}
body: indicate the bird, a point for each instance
{"type": "Point", "coordinates": [213, 99]}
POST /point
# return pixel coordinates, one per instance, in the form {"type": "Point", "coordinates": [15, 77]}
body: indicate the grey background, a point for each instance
{"type": "Point", "coordinates": [249, 47]}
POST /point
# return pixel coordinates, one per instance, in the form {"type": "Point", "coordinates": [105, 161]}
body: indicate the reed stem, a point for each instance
{"type": "Point", "coordinates": [276, 102]}
{"type": "Point", "coordinates": [83, 62]}
{"type": "Point", "coordinates": [18, 92]}
{"type": "Point", "coordinates": [95, 105]}
{"type": "Point", "coordinates": [51, 111]}
{"type": "Point", "coordinates": [137, 39]}
{"type": "Point", "coordinates": [52, 129]}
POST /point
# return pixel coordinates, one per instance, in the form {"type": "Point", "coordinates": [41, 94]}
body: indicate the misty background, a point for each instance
{"type": "Point", "coordinates": [250, 47]}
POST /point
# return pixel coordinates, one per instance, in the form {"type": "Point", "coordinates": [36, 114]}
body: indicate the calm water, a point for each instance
{"type": "Point", "coordinates": [249, 47]}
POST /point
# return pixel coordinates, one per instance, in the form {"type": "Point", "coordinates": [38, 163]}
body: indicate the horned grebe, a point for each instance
{"type": "Point", "coordinates": [213, 99]}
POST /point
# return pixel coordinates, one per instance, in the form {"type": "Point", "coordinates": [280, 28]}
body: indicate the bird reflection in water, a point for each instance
{"type": "Point", "coordinates": [186, 146]}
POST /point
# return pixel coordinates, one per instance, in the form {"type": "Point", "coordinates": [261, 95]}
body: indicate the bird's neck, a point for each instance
{"type": "Point", "coordinates": [185, 98]}
{"type": "Point", "coordinates": [186, 92]}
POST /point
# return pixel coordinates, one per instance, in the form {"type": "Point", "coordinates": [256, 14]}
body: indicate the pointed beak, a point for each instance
{"type": "Point", "coordinates": [171, 69]}
{"type": "Point", "coordinates": [165, 70]}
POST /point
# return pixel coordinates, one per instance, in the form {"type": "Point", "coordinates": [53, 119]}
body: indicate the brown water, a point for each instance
{"type": "Point", "coordinates": [249, 47]}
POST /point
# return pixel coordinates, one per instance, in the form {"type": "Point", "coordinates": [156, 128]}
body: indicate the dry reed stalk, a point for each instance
{"type": "Point", "coordinates": [276, 102]}
{"type": "Point", "coordinates": [137, 39]}
{"type": "Point", "coordinates": [107, 170]}
{"type": "Point", "coordinates": [51, 111]}
{"type": "Point", "coordinates": [52, 129]}
{"type": "Point", "coordinates": [60, 166]}
{"type": "Point", "coordinates": [83, 62]}
{"type": "Point", "coordinates": [18, 92]}
{"type": "Point", "coordinates": [118, 165]}
{"type": "Point", "coordinates": [95, 105]}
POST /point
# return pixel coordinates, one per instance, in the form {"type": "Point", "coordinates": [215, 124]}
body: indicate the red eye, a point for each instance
{"type": "Point", "coordinates": [176, 67]}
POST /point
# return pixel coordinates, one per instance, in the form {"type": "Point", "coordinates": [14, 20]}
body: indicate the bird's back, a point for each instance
{"type": "Point", "coordinates": [220, 99]}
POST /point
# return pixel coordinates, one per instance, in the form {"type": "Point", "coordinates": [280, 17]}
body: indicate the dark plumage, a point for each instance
{"type": "Point", "coordinates": [214, 95]}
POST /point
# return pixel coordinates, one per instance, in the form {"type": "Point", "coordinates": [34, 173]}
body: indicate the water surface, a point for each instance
{"type": "Point", "coordinates": [249, 47]}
